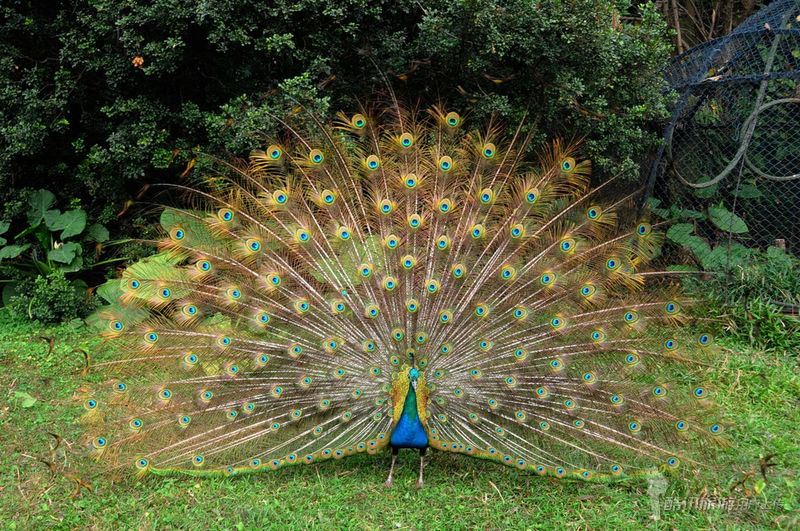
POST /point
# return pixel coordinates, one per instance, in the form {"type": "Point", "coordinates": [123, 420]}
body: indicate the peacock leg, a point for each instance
{"type": "Point", "coordinates": [391, 468]}
{"type": "Point", "coordinates": [421, 466]}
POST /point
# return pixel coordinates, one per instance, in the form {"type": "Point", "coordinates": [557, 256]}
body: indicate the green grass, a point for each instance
{"type": "Point", "coordinates": [759, 392]}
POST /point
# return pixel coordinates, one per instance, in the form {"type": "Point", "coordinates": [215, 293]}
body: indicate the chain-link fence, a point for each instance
{"type": "Point", "coordinates": [730, 162]}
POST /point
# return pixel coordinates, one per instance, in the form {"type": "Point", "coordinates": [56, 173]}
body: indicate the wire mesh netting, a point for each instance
{"type": "Point", "coordinates": [730, 160]}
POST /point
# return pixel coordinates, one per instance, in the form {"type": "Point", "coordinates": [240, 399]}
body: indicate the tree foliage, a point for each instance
{"type": "Point", "coordinates": [101, 96]}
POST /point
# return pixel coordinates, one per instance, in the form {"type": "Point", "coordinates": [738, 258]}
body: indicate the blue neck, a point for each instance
{"type": "Point", "coordinates": [409, 432]}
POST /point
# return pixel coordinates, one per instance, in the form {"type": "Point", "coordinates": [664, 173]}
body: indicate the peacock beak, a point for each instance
{"type": "Point", "coordinates": [414, 384]}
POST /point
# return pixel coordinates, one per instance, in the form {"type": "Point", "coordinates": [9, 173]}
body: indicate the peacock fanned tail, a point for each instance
{"type": "Point", "coordinates": [280, 319]}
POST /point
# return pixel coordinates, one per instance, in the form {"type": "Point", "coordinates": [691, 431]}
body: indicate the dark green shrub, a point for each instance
{"type": "Point", "coordinates": [102, 96]}
{"type": "Point", "coordinates": [51, 299]}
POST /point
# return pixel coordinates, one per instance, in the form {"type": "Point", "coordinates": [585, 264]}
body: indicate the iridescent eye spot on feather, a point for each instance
{"type": "Point", "coordinates": [681, 425]}
{"type": "Point", "coordinates": [406, 140]}
{"type": "Point", "coordinates": [231, 414]}
{"type": "Point", "coordinates": [589, 378]}
{"type": "Point", "coordinates": [372, 311]}
{"type": "Point", "coordinates": [531, 196]}
{"type": "Point", "coordinates": [673, 462]}
{"type": "Point", "coordinates": [475, 373]}
{"type": "Point", "coordinates": [631, 317]}
{"type": "Point", "coordinates": [253, 244]}
{"type": "Point", "coordinates": [90, 404]}
{"type": "Point", "coordinates": [477, 231]}
{"type": "Point", "coordinates": [294, 350]}
{"type": "Point", "coordinates": [508, 272]}
{"type": "Point", "coordinates": [151, 337]}
{"type": "Point", "coordinates": [410, 181]}
{"type": "Point", "coordinates": [184, 420]}
{"type": "Point", "coordinates": [587, 290]}
{"type": "Point", "coordinates": [116, 325]}
{"type": "Point", "coordinates": [365, 270]}
{"type": "Point", "coordinates": [445, 164]}
{"type": "Point", "coordinates": [392, 242]}
{"type": "Point", "coordinates": [493, 404]}
{"type": "Point", "coordinates": [305, 382]}
{"type": "Point", "coordinates": [274, 280]}
{"type": "Point", "coordinates": [100, 442]}
{"type": "Point", "coordinates": [142, 463]}
{"type": "Point", "coordinates": [206, 396]}
{"type": "Point", "coordinates": [489, 150]}
{"type": "Point", "coordinates": [225, 215]}
{"type": "Point", "coordinates": [542, 392]}
{"type": "Point", "coordinates": [165, 395]}
{"type": "Point", "coordinates": [612, 264]}
{"type": "Point", "coordinates": [659, 391]}
{"type": "Point", "coordinates": [120, 387]}
{"type": "Point", "coordinates": [276, 391]}
{"type": "Point", "coordinates": [343, 233]}
{"type": "Point", "coordinates": [134, 284]}
{"type": "Point", "coordinates": [261, 360]}
{"type": "Point", "coordinates": [672, 308]}
{"type": "Point", "coordinates": [446, 348]}
{"type": "Point", "coordinates": [445, 316]}
{"type": "Point", "coordinates": [358, 121]}
{"type": "Point", "coordinates": [203, 266]}
{"type": "Point", "coordinates": [643, 229]}
{"type": "Point", "coordinates": [135, 424]}
{"type": "Point", "coordinates": [458, 270]}
{"type": "Point", "coordinates": [280, 197]}
{"type": "Point", "coordinates": [398, 334]}
{"type": "Point", "coordinates": [578, 423]}
{"type": "Point", "coordinates": [544, 425]}
{"type": "Point", "coordinates": [165, 293]}
{"type": "Point", "coordinates": [414, 221]}
{"type": "Point", "coordinates": [386, 207]}
{"type": "Point", "coordinates": [408, 262]}
{"type": "Point", "coordinates": [316, 157]}
{"type": "Point", "coordinates": [412, 305]}
{"type": "Point", "coordinates": [547, 278]}
{"type": "Point", "coordinates": [233, 293]}
{"type": "Point", "coordinates": [568, 404]}
{"type": "Point", "coordinates": [444, 205]}
{"type": "Point", "coordinates": [452, 119]}
{"type": "Point", "coordinates": [567, 165]}
{"type": "Point", "coordinates": [617, 400]}
{"type": "Point", "coordinates": [262, 318]}
{"type": "Point", "coordinates": [389, 283]}
{"type": "Point", "coordinates": [486, 196]}
{"type": "Point", "coordinates": [485, 345]}
{"type": "Point", "coordinates": [177, 234]}
{"type": "Point", "coordinates": [302, 235]}
{"type": "Point", "coordinates": [557, 323]}
{"type": "Point", "coordinates": [670, 344]}
{"type": "Point", "coordinates": [302, 306]}
{"type": "Point", "coordinates": [715, 429]}
{"type": "Point", "coordinates": [517, 231]}
{"type": "Point", "coordinates": [616, 470]}
{"type": "Point", "coordinates": [520, 313]}
{"type": "Point", "coordinates": [274, 152]}
{"type": "Point", "coordinates": [421, 338]}
{"type": "Point", "coordinates": [700, 392]}
{"type": "Point", "coordinates": [373, 162]}
{"type": "Point", "coordinates": [567, 245]}
{"type": "Point", "coordinates": [631, 359]}
{"type": "Point", "coordinates": [432, 286]}
{"type": "Point", "coordinates": [704, 340]}
{"type": "Point", "coordinates": [481, 310]}
{"type": "Point", "coordinates": [224, 341]}
{"type": "Point", "coordinates": [634, 426]}
{"type": "Point", "coordinates": [594, 213]}
{"type": "Point", "coordinates": [443, 243]}
{"type": "Point", "coordinates": [189, 310]}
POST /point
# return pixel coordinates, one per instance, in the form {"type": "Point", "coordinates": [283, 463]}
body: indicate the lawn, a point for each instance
{"type": "Point", "coordinates": [42, 487]}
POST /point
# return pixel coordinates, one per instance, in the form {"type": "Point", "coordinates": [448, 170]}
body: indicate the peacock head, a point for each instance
{"type": "Point", "coordinates": [413, 375]}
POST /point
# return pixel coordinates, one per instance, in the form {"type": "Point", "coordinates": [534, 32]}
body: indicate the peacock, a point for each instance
{"type": "Point", "coordinates": [395, 279]}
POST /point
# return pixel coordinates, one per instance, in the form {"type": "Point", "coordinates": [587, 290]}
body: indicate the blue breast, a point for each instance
{"type": "Point", "coordinates": [409, 432]}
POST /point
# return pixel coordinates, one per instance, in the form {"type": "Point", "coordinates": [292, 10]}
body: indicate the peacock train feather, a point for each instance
{"type": "Point", "coordinates": [300, 300]}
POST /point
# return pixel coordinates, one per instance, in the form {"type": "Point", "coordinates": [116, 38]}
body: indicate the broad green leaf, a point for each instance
{"type": "Point", "coordinates": [748, 191]}
{"type": "Point", "coordinates": [13, 251]}
{"type": "Point", "coordinates": [707, 192]}
{"type": "Point", "coordinates": [40, 202]}
{"type": "Point", "coordinates": [4, 225]}
{"type": "Point", "coordinates": [70, 223]}
{"type": "Point", "coordinates": [50, 217]}
{"type": "Point", "coordinates": [681, 234]}
{"type": "Point", "coordinates": [726, 220]}
{"type": "Point", "coordinates": [76, 264]}
{"type": "Point", "coordinates": [65, 253]}
{"type": "Point", "coordinates": [97, 233]}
